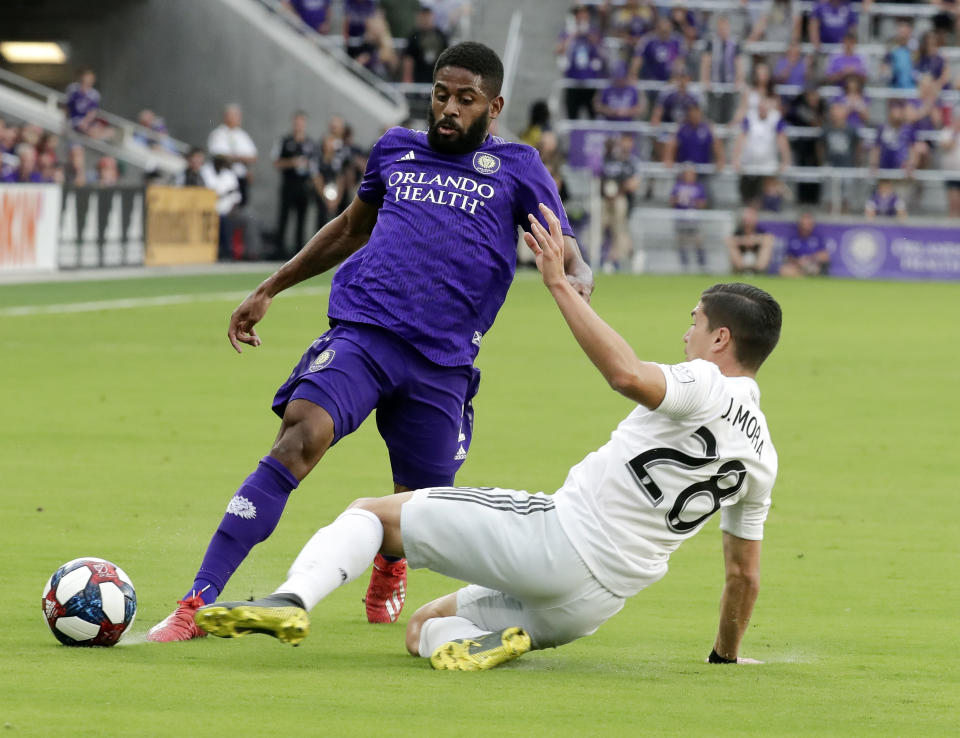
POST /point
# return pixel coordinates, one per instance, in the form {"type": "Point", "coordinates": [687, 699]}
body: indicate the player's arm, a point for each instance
{"type": "Point", "coordinates": [641, 381]}
{"type": "Point", "coordinates": [332, 244]}
{"type": "Point", "coordinates": [742, 584]}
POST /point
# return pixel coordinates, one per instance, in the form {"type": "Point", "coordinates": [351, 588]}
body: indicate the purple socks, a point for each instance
{"type": "Point", "coordinates": [252, 514]}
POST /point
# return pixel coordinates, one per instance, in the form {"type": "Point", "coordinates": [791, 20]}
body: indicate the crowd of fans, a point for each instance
{"type": "Point", "coordinates": [702, 96]}
{"type": "Point", "coordinates": [397, 40]}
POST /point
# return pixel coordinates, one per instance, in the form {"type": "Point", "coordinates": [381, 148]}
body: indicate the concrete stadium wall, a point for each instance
{"type": "Point", "coordinates": [186, 59]}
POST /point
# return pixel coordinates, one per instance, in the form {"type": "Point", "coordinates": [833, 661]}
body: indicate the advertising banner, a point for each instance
{"type": "Point", "coordinates": [101, 227]}
{"type": "Point", "coordinates": [884, 250]}
{"type": "Point", "coordinates": [29, 214]}
{"type": "Point", "coordinates": [182, 225]}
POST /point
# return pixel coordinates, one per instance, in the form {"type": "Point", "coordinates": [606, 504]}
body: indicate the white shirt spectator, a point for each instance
{"type": "Point", "coordinates": [229, 141]}
{"type": "Point", "coordinates": [760, 141]}
{"type": "Point", "coordinates": [225, 184]}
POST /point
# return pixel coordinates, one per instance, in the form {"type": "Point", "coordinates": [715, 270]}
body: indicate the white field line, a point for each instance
{"type": "Point", "coordinates": [142, 302]}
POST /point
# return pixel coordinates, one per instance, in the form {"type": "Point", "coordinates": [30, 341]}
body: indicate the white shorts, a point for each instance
{"type": "Point", "coordinates": [510, 545]}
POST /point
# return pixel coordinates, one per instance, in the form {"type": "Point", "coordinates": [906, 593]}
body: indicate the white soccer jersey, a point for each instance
{"type": "Point", "coordinates": [663, 474]}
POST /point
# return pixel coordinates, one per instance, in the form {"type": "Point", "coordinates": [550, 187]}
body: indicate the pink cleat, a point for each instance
{"type": "Point", "coordinates": [387, 591]}
{"type": "Point", "coordinates": [179, 625]}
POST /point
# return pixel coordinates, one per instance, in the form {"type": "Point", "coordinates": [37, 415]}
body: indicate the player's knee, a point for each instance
{"type": "Point", "coordinates": [301, 444]}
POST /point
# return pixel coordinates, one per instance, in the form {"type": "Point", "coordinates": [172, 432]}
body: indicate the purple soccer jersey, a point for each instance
{"type": "Point", "coordinates": [795, 74]}
{"type": "Point", "coordinates": [658, 56]}
{"type": "Point", "coordinates": [846, 64]}
{"type": "Point", "coordinates": [356, 13]}
{"type": "Point", "coordinates": [835, 19]}
{"type": "Point", "coordinates": [885, 205]}
{"type": "Point", "coordinates": [80, 102]}
{"type": "Point", "coordinates": [312, 12]}
{"type": "Point", "coordinates": [894, 144]}
{"type": "Point", "coordinates": [694, 144]}
{"type": "Point", "coordinates": [585, 57]}
{"type": "Point", "coordinates": [676, 104]}
{"type": "Point", "coordinates": [799, 246]}
{"type": "Point", "coordinates": [687, 196]}
{"type": "Point", "coordinates": [442, 255]}
{"type": "Point", "coordinates": [620, 98]}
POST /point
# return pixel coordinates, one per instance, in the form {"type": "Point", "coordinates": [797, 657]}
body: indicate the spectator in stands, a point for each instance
{"type": "Point", "coordinates": [631, 21]}
{"type": "Point", "coordinates": [376, 52]}
{"type": "Point", "coordinates": [550, 153]}
{"type": "Point", "coordinates": [328, 180]}
{"type": "Point", "coordinates": [885, 202]}
{"type": "Point", "coordinates": [675, 99]}
{"type": "Point", "coordinates": [806, 253]}
{"type": "Point", "coordinates": [688, 193]}
{"type": "Point", "coordinates": [192, 176]}
{"type": "Point", "coordinates": [856, 106]}
{"type": "Point", "coordinates": [930, 61]}
{"type": "Point", "coordinates": [839, 143]}
{"type": "Point", "coordinates": [314, 13]}
{"type": "Point", "coordinates": [83, 105]}
{"type": "Point", "coordinates": [539, 123]}
{"type": "Point", "coordinates": [401, 16]}
{"type": "Point", "coordinates": [846, 63]}
{"type": "Point", "coordinates": [830, 21]}
{"type": "Point", "coordinates": [895, 146]}
{"type": "Point", "coordinates": [233, 143]}
{"type": "Point", "coordinates": [423, 47]}
{"type": "Point", "coordinates": [772, 20]}
{"type": "Point", "coordinates": [950, 161]}
{"type": "Point", "coordinates": [154, 134]}
{"type": "Point", "coordinates": [619, 181]}
{"type": "Point", "coordinates": [923, 114]}
{"type": "Point", "coordinates": [26, 170]}
{"type": "Point", "coordinates": [721, 64]}
{"type": "Point", "coordinates": [8, 137]}
{"type": "Point", "coordinates": [807, 111]}
{"type": "Point", "coordinates": [694, 142]}
{"type": "Point", "coordinates": [75, 172]}
{"type": "Point", "coordinates": [355, 14]}
{"type": "Point", "coordinates": [220, 177]}
{"type": "Point", "coordinates": [682, 20]}
{"type": "Point", "coordinates": [761, 87]}
{"type": "Point", "coordinates": [750, 247]}
{"type": "Point", "coordinates": [774, 194]}
{"type": "Point", "coordinates": [945, 22]}
{"type": "Point", "coordinates": [898, 62]}
{"type": "Point", "coordinates": [108, 172]}
{"type": "Point", "coordinates": [656, 53]}
{"type": "Point", "coordinates": [452, 17]}
{"type": "Point", "coordinates": [761, 146]}
{"type": "Point", "coordinates": [293, 157]}
{"type": "Point", "coordinates": [620, 100]}
{"type": "Point", "coordinates": [584, 61]}
{"type": "Point", "coordinates": [793, 68]}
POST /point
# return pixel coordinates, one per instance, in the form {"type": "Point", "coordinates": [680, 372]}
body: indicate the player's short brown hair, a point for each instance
{"type": "Point", "coordinates": [751, 315]}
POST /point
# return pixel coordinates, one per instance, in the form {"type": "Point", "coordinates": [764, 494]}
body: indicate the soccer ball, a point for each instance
{"type": "Point", "coordinates": [89, 602]}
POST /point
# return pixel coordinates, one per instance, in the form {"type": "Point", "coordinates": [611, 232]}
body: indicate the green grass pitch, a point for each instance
{"type": "Point", "coordinates": [123, 432]}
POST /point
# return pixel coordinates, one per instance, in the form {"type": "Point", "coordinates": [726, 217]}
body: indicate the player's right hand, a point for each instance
{"type": "Point", "coordinates": [245, 317]}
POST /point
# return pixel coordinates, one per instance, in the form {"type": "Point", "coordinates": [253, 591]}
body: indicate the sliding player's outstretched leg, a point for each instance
{"type": "Point", "coordinates": [281, 615]}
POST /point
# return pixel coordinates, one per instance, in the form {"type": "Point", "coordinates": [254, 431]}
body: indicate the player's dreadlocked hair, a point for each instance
{"type": "Point", "coordinates": [476, 58]}
{"type": "Point", "coordinates": [752, 316]}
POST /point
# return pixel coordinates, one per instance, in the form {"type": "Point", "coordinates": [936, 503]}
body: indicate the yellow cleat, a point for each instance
{"type": "Point", "coordinates": [484, 653]}
{"type": "Point", "coordinates": [234, 619]}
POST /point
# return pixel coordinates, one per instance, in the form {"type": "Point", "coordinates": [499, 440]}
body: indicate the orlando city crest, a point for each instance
{"type": "Point", "coordinates": [322, 360]}
{"type": "Point", "coordinates": [486, 163]}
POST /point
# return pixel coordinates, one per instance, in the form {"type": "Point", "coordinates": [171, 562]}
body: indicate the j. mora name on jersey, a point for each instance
{"type": "Point", "coordinates": [747, 423]}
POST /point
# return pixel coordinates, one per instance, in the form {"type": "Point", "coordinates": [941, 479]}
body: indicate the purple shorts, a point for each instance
{"type": "Point", "coordinates": [424, 410]}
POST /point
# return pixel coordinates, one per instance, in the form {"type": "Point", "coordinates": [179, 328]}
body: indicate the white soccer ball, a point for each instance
{"type": "Point", "coordinates": [89, 602]}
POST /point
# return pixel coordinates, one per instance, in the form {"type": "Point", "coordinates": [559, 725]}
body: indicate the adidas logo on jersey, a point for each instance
{"type": "Point", "coordinates": [242, 507]}
{"type": "Point", "coordinates": [461, 454]}
{"type": "Point", "coordinates": [409, 156]}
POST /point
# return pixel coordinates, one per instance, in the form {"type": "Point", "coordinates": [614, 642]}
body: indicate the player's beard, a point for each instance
{"type": "Point", "coordinates": [467, 141]}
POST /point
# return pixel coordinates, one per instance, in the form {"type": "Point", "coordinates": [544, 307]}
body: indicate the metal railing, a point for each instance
{"type": "Point", "coordinates": [333, 46]}
{"type": "Point", "coordinates": [56, 101]}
